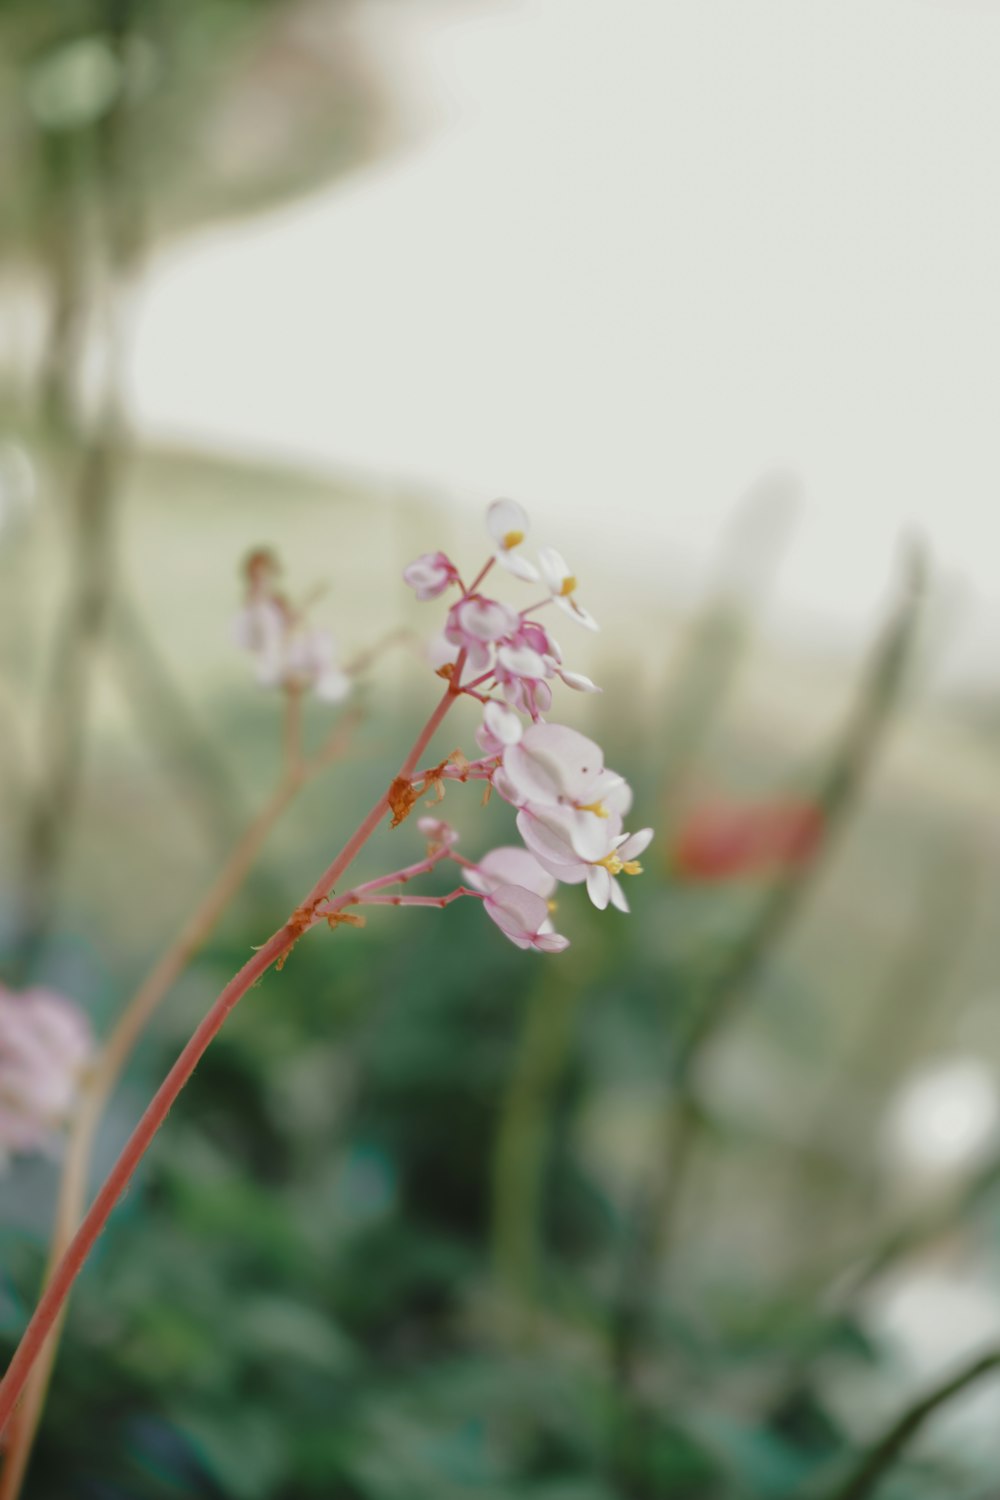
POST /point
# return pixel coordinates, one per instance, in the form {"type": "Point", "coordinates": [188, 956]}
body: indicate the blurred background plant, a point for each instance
{"type": "Point", "coordinates": [705, 1208]}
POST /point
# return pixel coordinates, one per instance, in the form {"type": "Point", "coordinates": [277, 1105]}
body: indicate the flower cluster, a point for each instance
{"type": "Point", "coordinates": [288, 652]}
{"type": "Point", "coordinates": [45, 1046]}
{"type": "Point", "coordinates": [570, 808]}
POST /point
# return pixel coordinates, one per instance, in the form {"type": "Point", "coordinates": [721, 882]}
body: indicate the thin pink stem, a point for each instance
{"type": "Point", "coordinates": [279, 944]}
{"type": "Point", "coordinates": [462, 890]}
{"type": "Point", "coordinates": [398, 877]}
{"type": "Point", "coordinates": [479, 577]}
{"type": "Point", "coordinates": [532, 607]}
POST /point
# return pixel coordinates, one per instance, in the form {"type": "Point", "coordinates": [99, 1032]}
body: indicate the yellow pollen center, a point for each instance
{"type": "Point", "coordinates": [512, 539]}
{"type": "Point", "coordinates": [597, 808]}
{"type": "Point", "coordinates": [616, 866]}
{"type": "Point", "coordinates": [568, 585]}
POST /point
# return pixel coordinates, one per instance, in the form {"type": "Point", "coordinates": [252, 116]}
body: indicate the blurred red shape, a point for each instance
{"type": "Point", "coordinates": [721, 840]}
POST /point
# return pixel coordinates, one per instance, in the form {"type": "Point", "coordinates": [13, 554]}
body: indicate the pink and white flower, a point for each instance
{"type": "Point", "coordinates": [561, 584]}
{"type": "Point", "coordinates": [555, 766]}
{"type": "Point", "coordinates": [45, 1046]}
{"type": "Point", "coordinates": [507, 523]}
{"type": "Point", "coordinates": [579, 846]}
{"type": "Point", "coordinates": [430, 574]}
{"type": "Point", "coordinates": [523, 917]}
{"type": "Point", "coordinates": [475, 624]}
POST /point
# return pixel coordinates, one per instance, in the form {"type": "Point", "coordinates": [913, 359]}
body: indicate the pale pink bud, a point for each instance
{"type": "Point", "coordinates": [430, 574]}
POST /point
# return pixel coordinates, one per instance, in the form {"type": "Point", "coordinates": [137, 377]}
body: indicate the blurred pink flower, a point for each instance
{"type": "Point", "coordinates": [430, 575]}
{"type": "Point", "coordinates": [45, 1046]}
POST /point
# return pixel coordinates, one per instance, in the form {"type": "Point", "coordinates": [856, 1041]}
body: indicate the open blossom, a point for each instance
{"type": "Point", "coordinates": [507, 523]}
{"type": "Point", "coordinates": [579, 847]}
{"type": "Point", "coordinates": [45, 1046]}
{"type": "Point", "coordinates": [430, 575]}
{"type": "Point", "coordinates": [562, 586]}
{"type": "Point", "coordinates": [523, 917]}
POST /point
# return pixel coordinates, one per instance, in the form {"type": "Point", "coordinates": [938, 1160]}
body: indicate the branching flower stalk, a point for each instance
{"type": "Point", "coordinates": [570, 812]}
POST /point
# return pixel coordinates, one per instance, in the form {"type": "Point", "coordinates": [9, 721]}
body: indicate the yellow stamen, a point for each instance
{"type": "Point", "coordinates": [512, 539]}
{"type": "Point", "coordinates": [616, 866]}
{"type": "Point", "coordinates": [597, 808]}
{"type": "Point", "coordinates": [552, 905]}
{"type": "Point", "coordinates": [568, 585]}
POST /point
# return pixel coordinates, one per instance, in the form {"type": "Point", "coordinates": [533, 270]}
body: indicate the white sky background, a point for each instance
{"type": "Point", "coordinates": [641, 252]}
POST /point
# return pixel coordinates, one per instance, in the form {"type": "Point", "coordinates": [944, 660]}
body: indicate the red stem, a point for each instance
{"type": "Point", "coordinates": [156, 1112]}
{"type": "Point", "coordinates": [462, 890]}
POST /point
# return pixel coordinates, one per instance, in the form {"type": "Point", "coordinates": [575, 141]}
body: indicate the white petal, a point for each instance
{"type": "Point", "coordinates": [547, 839]}
{"type": "Point", "coordinates": [551, 942]}
{"type": "Point", "coordinates": [583, 616]}
{"type": "Point", "coordinates": [505, 517]}
{"type": "Point", "coordinates": [618, 896]}
{"type": "Point", "coordinates": [512, 865]}
{"type": "Point", "coordinates": [613, 790]}
{"type": "Point", "coordinates": [554, 763]}
{"type": "Point", "coordinates": [599, 886]}
{"type": "Point", "coordinates": [579, 683]}
{"type": "Point", "coordinates": [502, 723]}
{"type": "Point", "coordinates": [554, 569]}
{"type": "Point", "coordinates": [522, 661]}
{"type": "Point", "coordinates": [569, 606]}
{"type": "Point", "coordinates": [636, 844]}
{"type": "Point", "coordinates": [519, 566]}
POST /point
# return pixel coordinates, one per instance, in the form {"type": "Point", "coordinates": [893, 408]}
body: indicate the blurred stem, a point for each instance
{"type": "Point", "coordinates": [880, 1458]}
{"type": "Point", "coordinates": [104, 1076]}
{"type": "Point", "coordinates": [179, 741]}
{"type": "Point", "coordinates": [51, 810]}
{"type": "Point", "coordinates": [275, 950]}
{"type": "Point", "coordinates": [718, 640]}
{"type": "Point", "coordinates": [101, 454]}
{"type": "Point", "coordinates": [836, 795]}
{"type": "Point", "coordinates": [522, 1140]}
